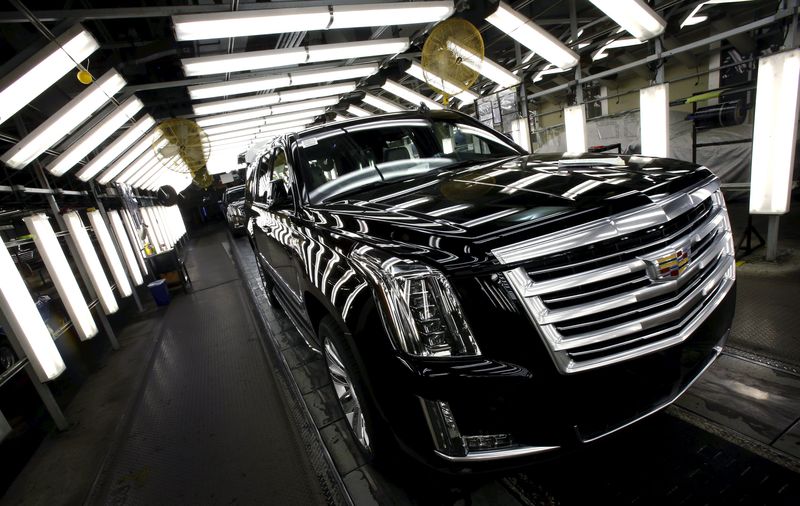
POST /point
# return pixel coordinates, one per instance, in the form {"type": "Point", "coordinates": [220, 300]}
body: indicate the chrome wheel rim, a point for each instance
{"type": "Point", "coordinates": [346, 395]}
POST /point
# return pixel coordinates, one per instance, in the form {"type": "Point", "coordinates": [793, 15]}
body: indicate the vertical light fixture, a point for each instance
{"type": "Point", "coordinates": [532, 36]}
{"type": "Point", "coordinates": [39, 72]}
{"type": "Point", "coordinates": [575, 127]}
{"type": "Point", "coordinates": [125, 246]}
{"type": "Point", "coordinates": [89, 258]}
{"type": "Point", "coordinates": [110, 253]}
{"type": "Point", "coordinates": [64, 121]}
{"type": "Point", "coordinates": [774, 132]}
{"type": "Point", "coordinates": [26, 322]}
{"type": "Point", "coordinates": [654, 120]}
{"type": "Point", "coordinates": [521, 133]}
{"type": "Point", "coordinates": [61, 274]}
{"type": "Point", "coordinates": [635, 16]}
{"type": "Point", "coordinates": [136, 241]}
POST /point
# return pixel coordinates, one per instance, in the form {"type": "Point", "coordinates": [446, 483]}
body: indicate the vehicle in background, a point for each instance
{"type": "Point", "coordinates": [478, 304]}
{"type": "Point", "coordinates": [233, 203]}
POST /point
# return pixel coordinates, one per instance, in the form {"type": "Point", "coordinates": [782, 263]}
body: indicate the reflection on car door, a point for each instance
{"type": "Point", "coordinates": [275, 234]}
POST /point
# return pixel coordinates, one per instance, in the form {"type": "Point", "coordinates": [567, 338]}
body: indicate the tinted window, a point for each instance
{"type": "Point", "coordinates": [262, 180]}
{"type": "Point", "coordinates": [281, 171]}
{"type": "Point", "coordinates": [344, 160]}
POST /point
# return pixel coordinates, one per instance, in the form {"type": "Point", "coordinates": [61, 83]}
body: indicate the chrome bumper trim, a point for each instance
{"type": "Point", "coordinates": [488, 455]}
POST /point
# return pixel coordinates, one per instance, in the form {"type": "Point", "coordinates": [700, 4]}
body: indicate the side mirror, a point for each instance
{"type": "Point", "coordinates": [278, 196]}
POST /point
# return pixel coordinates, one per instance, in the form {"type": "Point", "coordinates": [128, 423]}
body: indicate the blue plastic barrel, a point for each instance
{"type": "Point", "coordinates": [159, 291]}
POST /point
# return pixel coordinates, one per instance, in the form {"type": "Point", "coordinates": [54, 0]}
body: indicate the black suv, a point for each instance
{"type": "Point", "coordinates": [476, 303]}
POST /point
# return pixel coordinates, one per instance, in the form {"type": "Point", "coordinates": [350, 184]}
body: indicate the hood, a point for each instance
{"type": "Point", "coordinates": [454, 218]}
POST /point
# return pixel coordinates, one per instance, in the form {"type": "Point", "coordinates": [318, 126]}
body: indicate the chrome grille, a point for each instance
{"type": "Point", "coordinates": [627, 285]}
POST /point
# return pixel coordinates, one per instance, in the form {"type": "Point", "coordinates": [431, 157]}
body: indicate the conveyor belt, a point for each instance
{"type": "Point", "coordinates": [210, 425]}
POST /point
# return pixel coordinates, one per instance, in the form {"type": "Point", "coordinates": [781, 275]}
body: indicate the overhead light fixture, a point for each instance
{"type": "Point", "coordinates": [141, 161]}
{"type": "Point", "coordinates": [116, 148]}
{"type": "Point", "coordinates": [61, 273]}
{"type": "Point", "coordinates": [125, 246]}
{"type": "Point", "coordinates": [110, 253]}
{"type": "Point", "coordinates": [223, 25]}
{"type": "Point", "coordinates": [635, 16]}
{"type": "Point", "coordinates": [64, 121]}
{"type": "Point", "coordinates": [43, 69]}
{"type": "Point", "coordinates": [532, 36]}
{"type": "Point", "coordinates": [137, 170]}
{"type": "Point", "coordinates": [153, 231]}
{"type": "Point", "coordinates": [146, 173]}
{"type": "Point", "coordinates": [26, 322]}
{"type": "Point", "coordinates": [88, 256]}
{"type": "Point", "coordinates": [774, 132]}
{"type": "Point", "coordinates": [484, 66]}
{"type": "Point", "coordinates": [264, 124]}
{"type": "Point", "coordinates": [654, 120]}
{"type": "Point", "coordinates": [614, 44]}
{"type": "Point", "coordinates": [271, 58]}
{"type": "Point", "coordinates": [293, 95]}
{"type": "Point", "coordinates": [308, 116]}
{"type": "Point", "coordinates": [264, 112]}
{"type": "Point", "coordinates": [382, 104]}
{"type": "Point", "coordinates": [125, 160]}
{"type": "Point", "coordinates": [282, 80]}
{"type": "Point", "coordinates": [102, 131]}
{"type": "Point", "coordinates": [547, 70]}
{"type": "Point", "coordinates": [279, 129]}
{"type": "Point", "coordinates": [415, 70]}
{"type": "Point", "coordinates": [357, 111]}
{"type": "Point", "coordinates": [695, 19]}
{"type": "Point", "coordinates": [575, 128]}
{"type": "Point", "coordinates": [410, 96]}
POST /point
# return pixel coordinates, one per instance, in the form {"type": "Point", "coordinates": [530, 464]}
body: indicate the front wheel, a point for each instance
{"type": "Point", "coordinates": [351, 394]}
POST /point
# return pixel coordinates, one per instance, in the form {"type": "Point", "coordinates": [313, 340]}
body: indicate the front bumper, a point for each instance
{"type": "Point", "coordinates": [526, 405]}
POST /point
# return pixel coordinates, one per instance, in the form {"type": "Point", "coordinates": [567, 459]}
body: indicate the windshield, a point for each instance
{"type": "Point", "coordinates": [350, 158]}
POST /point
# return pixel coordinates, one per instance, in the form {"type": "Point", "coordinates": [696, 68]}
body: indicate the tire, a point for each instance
{"type": "Point", "coordinates": [353, 399]}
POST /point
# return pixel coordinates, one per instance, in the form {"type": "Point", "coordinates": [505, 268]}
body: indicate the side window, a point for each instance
{"type": "Point", "coordinates": [261, 179]}
{"type": "Point", "coordinates": [281, 170]}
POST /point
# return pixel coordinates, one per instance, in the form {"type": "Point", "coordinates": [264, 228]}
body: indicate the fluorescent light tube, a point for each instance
{"type": "Point", "coordinates": [441, 84]}
{"type": "Point", "coordinates": [94, 137]}
{"type": "Point", "coordinates": [223, 25]}
{"type": "Point", "coordinates": [142, 161]}
{"type": "Point", "coordinates": [293, 95]}
{"type": "Point", "coordinates": [125, 160]}
{"type": "Point", "coordinates": [774, 132]}
{"type": "Point", "coordinates": [484, 66]}
{"type": "Point", "coordinates": [136, 242]}
{"type": "Point", "coordinates": [271, 58]}
{"type": "Point", "coordinates": [635, 16]}
{"type": "Point", "coordinates": [268, 121]}
{"type": "Point", "coordinates": [283, 80]}
{"type": "Point", "coordinates": [532, 36]}
{"type": "Point", "coordinates": [61, 273]}
{"type": "Point", "coordinates": [357, 111]}
{"type": "Point", "coordinates": [116, 148]}
{"type": "Point", "coordinates": [654, 120]}
{"type": "Point", "coordinates": [42, 70]}
{"type": "Point", "coordinates": [110, 253]}
{"type": "Point", "coordinates": [614, 44]}
{"type": "Point", "coordinates": [64, 121]}
{"type": "Point", "coordinates": [153, 167]}
{"type": "Point", "coordinates": [125, 246]}
{"type": "Point", "coordinates": [409, 95]}
{"type": "Point", "coordinates": [268, 129]}
{"type": "Point", "coordinates": [165, 225]}
{"type": "Point", "coordinates": [382, 104]}
{"type": "Point", "coordinates": [26, 321]}
{"type": "Point", "coordinates": [268, 111]}
{"type": "Point", "coordinates": [94, 269]}
{"type": "Point", "coordinates": [575, 128]}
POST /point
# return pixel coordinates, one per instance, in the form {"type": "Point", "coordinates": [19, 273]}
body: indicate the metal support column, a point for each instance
{"type": "Point", "coordinates": [42, 389]}
{"type": "Point", "coordinates": [117, 246]}
{"type": "Point", "coordinates": [73, 250]}
{"type": "Point", "coordinates": [772, 237]}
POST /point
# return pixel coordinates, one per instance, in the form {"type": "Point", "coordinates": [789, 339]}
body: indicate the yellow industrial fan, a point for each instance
{"type": "Point", "coordinates": [182, 146]}
{"type": "Point", "coordinates": [452, 56]}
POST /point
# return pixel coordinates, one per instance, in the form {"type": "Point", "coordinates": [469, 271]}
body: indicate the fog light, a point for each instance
{"type": "Point", "coordinates": [488, 442]}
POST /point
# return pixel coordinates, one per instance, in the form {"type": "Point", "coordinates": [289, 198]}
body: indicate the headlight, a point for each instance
{"type": "Point", "coordinates": [421, 308]}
